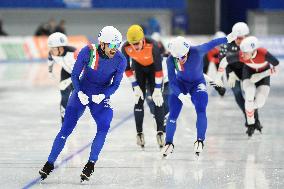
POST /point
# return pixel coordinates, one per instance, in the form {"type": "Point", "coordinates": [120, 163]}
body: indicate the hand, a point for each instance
{"type": "Point", "coordinates": [98, 98]}
{"type": "Point", "coordinates": [158, 97]}
{"type": "Point", "coordinates": [232, 79]}
{"type": "Point", "coordinates": [259, 76]}
{"type": "Point", "coordinates": [184, 98]}
{"type": "Point", "coordinates": [138, 94]}
{"type": "Point", "coordinates": [218, 79]}
{"type": "Point", "coordinates": [84, 99]}
{"type": "Point", "coordinates": [231, 37]}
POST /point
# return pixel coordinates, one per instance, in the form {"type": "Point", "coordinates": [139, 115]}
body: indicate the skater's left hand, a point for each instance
{"type": "Point", "coordinates": [158, 97]}
{"type": "Point", "coordinates": [98, 98]}
{"type": "Point", "coordinates": [231, 37]}
{"type": "Point", "coordinates": [232, 79]}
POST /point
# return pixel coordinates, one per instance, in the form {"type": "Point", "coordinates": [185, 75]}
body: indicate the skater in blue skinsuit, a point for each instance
{"type": "Point", "coordinates": [103, 67]}
{"type": "Point", "coordinates": [185, 72]}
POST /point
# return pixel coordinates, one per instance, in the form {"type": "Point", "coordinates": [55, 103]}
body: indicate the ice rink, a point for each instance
{"type": "Point", "coordinates": [30, 121]}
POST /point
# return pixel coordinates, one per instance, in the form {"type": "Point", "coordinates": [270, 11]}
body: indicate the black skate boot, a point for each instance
{"type": "Point", "coordinates": [221, 90]}
{"type": "Point", "coordinates": [160, 139]}
{"type": "Point", "coordinates": [250, 130]}
{"type": "Point", "coordinates": [168, 149]}
{"type": "Point", "coordinates": [198, 147]}
{"type": "Point", "coordinates": [258, 126]}
{"type": "Point", "coordinates": [140, 140]}
{"type": "Point", "coordinates": [46, 170]}
{"type": "Point", "coordinates": [87, 171]}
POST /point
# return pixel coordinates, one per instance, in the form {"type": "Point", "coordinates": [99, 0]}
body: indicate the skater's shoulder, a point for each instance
{"type": "Point", "coordinates": [120, 57]}
{"type": "Point", "coordinates": [261, 50]}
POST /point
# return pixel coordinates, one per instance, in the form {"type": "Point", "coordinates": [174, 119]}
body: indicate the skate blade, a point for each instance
{"type": "Point", "coordinates": [43, 175]}
{"type": "Point", "coordinates": [84, 178]}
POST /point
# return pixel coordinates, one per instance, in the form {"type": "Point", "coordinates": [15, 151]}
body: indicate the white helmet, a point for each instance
{"type": "Point", "coordinates": [110, 34]}
{"type": "Point", "coordinates": [249, 44]}
{"type": "Point", "coordinates": [57, 39]}
{"type": "Point", "coordinates": [219, 34]}
{"type": "Point", "coordinates": [156, 36]}
{"type": "Point", "coordinates": [179, 47]}
{"type": "Point", "coordinates": [240, 29]}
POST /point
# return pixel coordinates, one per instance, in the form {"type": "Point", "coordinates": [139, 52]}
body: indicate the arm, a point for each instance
{"type": "Point", "coordinates": [259, 76]}
{"type": "Point", "coordinates": [172, 76]}
{"type": "Point", "coordinates": [204, 48]}
{"type": "Point", "coordinates": [80, 63]}
{"type": "Point", "coordinates": [50, 63]}
{"type": "Point", "coordinates": [116, 78]}
{"type": "Point", "coordinates": [128, 71]}
{"type": "Point", "coordinates": [271, 59]}
{"type": "Point", "coordinates": [158, 66]}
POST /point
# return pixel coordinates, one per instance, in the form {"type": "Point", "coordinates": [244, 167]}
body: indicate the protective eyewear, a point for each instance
{"type": "Point", "coordinates": [181, 58]}
{"type": "Point", "coordinates": [113, 46]}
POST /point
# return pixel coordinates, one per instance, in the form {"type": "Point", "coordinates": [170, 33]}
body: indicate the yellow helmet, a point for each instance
{"type": "Point", "coordinates": [134, 34]}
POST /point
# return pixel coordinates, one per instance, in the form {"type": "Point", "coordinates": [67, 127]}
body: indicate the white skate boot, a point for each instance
{"type": "Point", "coordinates": [140, 140]}
{"type": "Point", "coordinates": [160, 139]}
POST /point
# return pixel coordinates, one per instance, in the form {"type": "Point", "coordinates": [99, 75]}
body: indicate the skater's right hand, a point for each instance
{"type": "Point", "coordinates": [218, 79]}
{"type": "Point", "coordinates": [184, 98]}
{"type": "Point", "coordinates": [138, 94]}
{"type": "Point", "coordinates": [84, 99]}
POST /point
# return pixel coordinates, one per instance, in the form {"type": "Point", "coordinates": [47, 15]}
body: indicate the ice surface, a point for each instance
{"type": "Point", "coordinates": [30, 121]}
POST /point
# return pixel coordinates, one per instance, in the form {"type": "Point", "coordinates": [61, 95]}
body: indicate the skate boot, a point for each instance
{"type": "Point", "coordinates": [221, 90]}
{"type": "Point", "coordinates": [46, 170]}
{"type": "Point", "coordinates": [140, 140]}
{"type": "Point", "coordinates": [87, 171]}
{"type": "Point", "coordinates": [198, 147]}
{"type": "Point", "coordinates": [160, 139]}
{"type": "Point", "coordinates": [258, 126]}
{"type": "Point", "coordinates": [168, 149]}
{"type": "Point", "coordinates": [250, 130]}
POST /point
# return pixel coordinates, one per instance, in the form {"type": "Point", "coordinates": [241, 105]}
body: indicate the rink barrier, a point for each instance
{"type": "Point", "coordinates": [25, 49]}
{"type": "Point", "coordinates": [64, 161]}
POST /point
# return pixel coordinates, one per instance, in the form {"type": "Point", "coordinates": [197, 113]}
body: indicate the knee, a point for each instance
{"type": "Point", "coordinates": [260, 101]}
{"type": "Point", "coordinates": [139, 107]}
{"type": "Point", "coordinates": [200, 108]}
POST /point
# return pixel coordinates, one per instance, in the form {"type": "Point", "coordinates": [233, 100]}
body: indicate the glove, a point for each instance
{"type": "Point", "coordinates": [83, 98]}
{"type": "Point", "coordinates": [65, 83]}
{"type": "Point", "coordinates": [232, 79]}
{"type": "Point", "coordinates": [259, 76]}
{"type": "Point", "coordinates": [51, 75]}
{"type": "Point", "coordinates": [231, 37]}
{"type": "Point", "coordinates": [98, 98]}
{"type": "Point", "coordinates": [138, 94]}
{"type": "Point", "coordinates": [184, 98]}
{"type": "Point", "coordinates": [218, 80]}
{"type": "Point", "coordinates": [158, 97]}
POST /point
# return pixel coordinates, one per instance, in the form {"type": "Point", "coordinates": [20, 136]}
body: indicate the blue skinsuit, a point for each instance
{"type": "Point", "coordinates": [93, 82]}
{"type": "Point", "coordinates": [190, 80]}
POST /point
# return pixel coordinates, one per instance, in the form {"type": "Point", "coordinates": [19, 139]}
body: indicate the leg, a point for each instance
{"type": "Point", "coordinates": [199, 98]}
{"type": "Point", "coordinates": [250, 90]}
{"type": "Point", "coordinates": [64, 100]}
{"type": "Point", "coordinates": [239, 97]}
{"type": "Point", "coordinates": [102, 114]}
{"type": "Point", "coordinates": [139, 107]}
{"type": "Point", "coordinates": [262, 93]}
{"type": "Point", "coordinates": [175, 106]}
{"type": "Point", "coordinates": [73, 112]}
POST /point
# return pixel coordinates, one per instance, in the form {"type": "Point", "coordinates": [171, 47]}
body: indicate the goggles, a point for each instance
{"type": "Point", "coordinates": [181, 58]}
{"type": "Point", "coordinates": [113, 46]}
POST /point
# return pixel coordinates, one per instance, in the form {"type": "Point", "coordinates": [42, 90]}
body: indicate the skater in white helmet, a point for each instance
{"type": "Point", "coordinates": [64, 55]}
{"type": "Point", "coordinates": [187, 82]}
{"type": "Point", "coordinates": [259, 64]}
{"type": "Point", "coordinates": [235, 72]}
